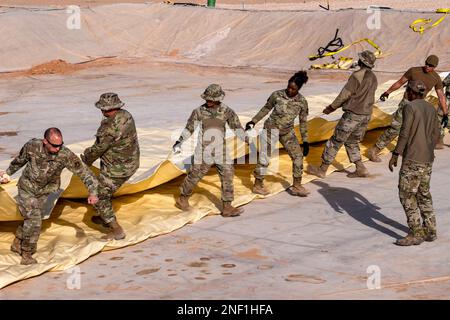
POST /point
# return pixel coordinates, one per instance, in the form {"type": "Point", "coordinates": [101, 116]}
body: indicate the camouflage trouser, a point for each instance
{"type": "Point", "coordinates": [440, 114]}
{"type": "Point", "coordinates": [415, 196]}
{"type": "Point", "coordinates": [393, 131]}
{"type": "Point", "coordinates": [31, 209]}
{"type": "Point", "coordinates": [198, 171]}
{"type": "Point", "coordinates": [106, 188]}
{"type": "Point", "coordinates": [293, 148]}
{"type": "Point", "coordinates": [349, 132]}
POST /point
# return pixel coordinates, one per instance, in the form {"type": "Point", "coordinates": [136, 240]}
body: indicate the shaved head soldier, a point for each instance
{"type": "Point", "coordinates": [44, 160]}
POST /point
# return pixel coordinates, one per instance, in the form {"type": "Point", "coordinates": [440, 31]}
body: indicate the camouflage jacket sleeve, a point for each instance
{"type": "Point", "coordinates": [266, 109]}
{"type": "Point", "coordinates": [190, 126]}
{"type": "Point", "coordinates": [235, 124]}
{"type": "Point", "coordinates": [303, 120]}
{"type": "Point", "coordinates": [104, 139]}
{"type": "Point", "coordinates": [405, 129]}
{"type": "Point", "coordinates": [78, 168]}
{"type": "Point", "coordinates": [19, 161]}
{"type": "Point", "coordinates": [446, 81]}
{"type": "Point", "coordinates": [350, 87]}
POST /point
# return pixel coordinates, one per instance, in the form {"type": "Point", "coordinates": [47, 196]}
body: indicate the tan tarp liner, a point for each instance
{"type": "Point", "coordinates": [145, 207]}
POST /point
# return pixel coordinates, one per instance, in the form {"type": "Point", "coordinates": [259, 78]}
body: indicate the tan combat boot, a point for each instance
{"type": "Point", "coordinates": [297, 189]}
{"type": "Point", "coordinates": [360, 172]}
{"type": "Point", "coordinates": [27, 258]}
{"type": "Point", "coordinates": [440, 144]}
{"type": "Point", "coordinates": [410, 240]}
{"type": "Point", "coordinates": [318, 171]}
{"type": "Point", "coordinates": [372, 154]}
{"type": "Point", "coordinates": [259, 188]}
{"type": "Point", "coordinates": [182, 203]}
{"type": "Point", "coordinates": [230, 211]}
{"type": "Point", "coordinates": [116, 233]}
{"type": "Point", "coordinates": [430, 236]}
{"type": "Point", "coordinates": [16, 246]}
{"type": "Point", "coordinates": [99, 220]}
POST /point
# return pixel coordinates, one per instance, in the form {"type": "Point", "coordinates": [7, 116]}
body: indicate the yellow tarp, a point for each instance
{"type": "Point", "coordinates": [147, 208]}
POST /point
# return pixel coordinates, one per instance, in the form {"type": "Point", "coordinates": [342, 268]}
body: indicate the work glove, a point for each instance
{"type": "Point", "coordinates": [305, 147]}
{"type": "Point", "coordinates": [384, 96]}
{"type": "Point", "coordinates": [177, 147]}
{"type": "Point", "coordinates": [249, 125]}
{"type": "Point", "coordinates": [4, 178]}
{"type": "Point", "coordinates": [393, 162]}
{"type": "Point", "coordinates": [328, 110]}
{"type": "Point", "coordinates": [444, 121]}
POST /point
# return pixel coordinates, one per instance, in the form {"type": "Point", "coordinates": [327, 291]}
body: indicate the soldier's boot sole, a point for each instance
{"type": "Point", "coordinates": [315, 171]}
{"type": "Point", "coordinates": [299, 191]}
{"type": "Point", "coordinates": [27, 259]}
{"type": "Point", "coordinates": [114, 236]}
{"type": "Point", "coordinates": [409, 241]}
{"type": "Point", "coordinates": [430, 238]}
{"type": "Point", "coordinates": [359, 174]}
{"type": "Point", "coordinates": [262, 191]}
{"type": "Point", "coordinates": [16, 246]}
{"type": "Point", "coordinates": [232, 213]}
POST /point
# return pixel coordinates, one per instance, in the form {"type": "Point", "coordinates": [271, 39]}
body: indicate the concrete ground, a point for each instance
{"type": "Point", "coordinates": [321, 247]}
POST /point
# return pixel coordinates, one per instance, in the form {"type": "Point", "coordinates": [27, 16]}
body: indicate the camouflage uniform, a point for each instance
{"type": "Point", "coordinates": [211, 119]}
{"type": "Point", "coordinates": [40, 178]}
{"type": "Point", "coordinates": [392, 132]}
{"type": "Point", "coordinates": [118, 149]}
{"type": "Point", "coordinates": [285, 110]}
{"type": "Point", "coordinates": [356, 98]}
{"type": "Point", "coordinates": [349, 132]}
{"type": "Point", "coordinates": [416, 142]}
{"type": "Point", "coordinates": [415, 196]}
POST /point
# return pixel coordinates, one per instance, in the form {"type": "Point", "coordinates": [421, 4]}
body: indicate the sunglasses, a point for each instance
{"type": "Point", "coordinates": [55, 145]}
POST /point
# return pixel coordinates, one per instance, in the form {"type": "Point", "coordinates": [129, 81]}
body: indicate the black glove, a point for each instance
{"type": "Point", "coordinates": [177, 147]}
{"type": "Point", "coordinates": [393, 162]}
{"type": "Point", "coordinates": [384, 96]}
{"type": "Point", "coordinates": [249, 125]}
{"type": "Point", "coordinates": [305, 147]}
{"type": "Point", "coordinates": [444, 121]}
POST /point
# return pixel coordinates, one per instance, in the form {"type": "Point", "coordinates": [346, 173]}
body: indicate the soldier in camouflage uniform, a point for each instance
{"type": "Point", "coordinates": [416, 142]}
{"type": "Point", "coordinates": [211, 118]}
{"type": "Point", "coordinates": [357, 99]}
{"type": "Point", "coordinates": [44, 160]}
{"type": "Point", "coordinates": [117, 147]}
{"type": "Point", "coordinates": [285, 105]}
{"type": "Point", "coordinates": [431, 79]}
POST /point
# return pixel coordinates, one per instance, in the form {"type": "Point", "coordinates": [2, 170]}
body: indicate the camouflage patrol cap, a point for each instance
{"type": "Point", "coordinates": [417, 86]}
{"type": "Point", "coordinates": [432, 60]}
{"type": "Point", "coordinates": [368, 58]}
{"type": "Point", "coordinates": [109, 101]}
{"type": "Point", "coordinates": [213, 92]}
